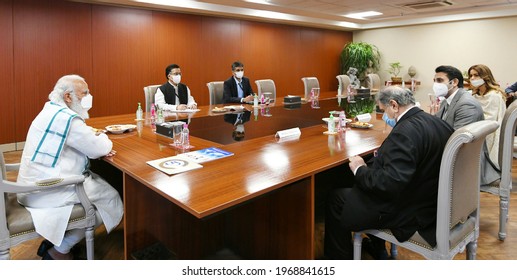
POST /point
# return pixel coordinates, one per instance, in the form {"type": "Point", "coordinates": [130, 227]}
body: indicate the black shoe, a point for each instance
{"type": "Point", "coordinates": [376, 253]}
{"type": "Point", "coordinates": [47, 257]}
{"type": "Point", "coordinates": [43, 247]}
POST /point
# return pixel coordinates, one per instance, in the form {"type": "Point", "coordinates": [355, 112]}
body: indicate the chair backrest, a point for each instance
{"type": "Point", "coordinates": [458, 188]}
{"type": "Point", "coordinates": [373, 82]}
{"type": "Point", "coordinates": [506, 142]}
{"type": "Point", "coordinates": [344, 82]}
{"type": "Point", "coordinates": [215, 90]}
{"type": "Point", "coordinates": [267, 85]}
{"type": "Point", "coordinates": [149, 92]}
{"type": "Point", "coordinates": [309, 83]}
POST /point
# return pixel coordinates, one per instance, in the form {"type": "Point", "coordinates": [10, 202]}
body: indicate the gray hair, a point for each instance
{"type": "Point", "coordinates": [64, 84]}
{"type": "Point", "coordinates": [402, 96]}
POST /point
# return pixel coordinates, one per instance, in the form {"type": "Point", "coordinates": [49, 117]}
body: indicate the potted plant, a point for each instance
{"type": "Point", "coordinates": [394, 70]}
{"type": "Point", "coordinates": [360, 55]}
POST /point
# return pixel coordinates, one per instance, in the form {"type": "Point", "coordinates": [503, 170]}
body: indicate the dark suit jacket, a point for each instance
{"type": "Point", "coordinates": [230, 94]}
{"type": "Point", "coordinates": [465, 109]}
{"type": "Point", "coordinates": [398, 188]}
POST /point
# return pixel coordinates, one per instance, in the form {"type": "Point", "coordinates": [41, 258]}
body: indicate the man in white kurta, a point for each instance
{"type": "Point", "coordinates": [60, 144]}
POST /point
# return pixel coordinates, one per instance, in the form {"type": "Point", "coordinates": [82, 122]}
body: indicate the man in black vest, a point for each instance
{"type": "Point", "coordinates": [237, 89]}
{"type": "Point", "coordinates": [174, 95]}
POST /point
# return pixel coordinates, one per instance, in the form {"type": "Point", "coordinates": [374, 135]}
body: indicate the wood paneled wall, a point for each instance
{"type": "Point", "coordinates": [120, 50]}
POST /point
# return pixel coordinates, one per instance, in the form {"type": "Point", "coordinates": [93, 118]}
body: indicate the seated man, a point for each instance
{"type": "Point", "coordinates": [60, 144]}
{"type": "Point", "coordinates": [173, 95]}
{"type": "Point", "coordinates": [398, 187]}
{"type": "Point", "coordinates": [237, 89]}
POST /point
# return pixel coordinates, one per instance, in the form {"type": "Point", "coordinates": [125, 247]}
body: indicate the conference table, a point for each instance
{"type": "Point", "coordinates": [259, 203]}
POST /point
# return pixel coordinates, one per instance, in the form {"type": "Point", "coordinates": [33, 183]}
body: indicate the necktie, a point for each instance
{"type": "Point", "coordinates": [444, 113]}
{"type": "Point", "coordinates": [240, 85]}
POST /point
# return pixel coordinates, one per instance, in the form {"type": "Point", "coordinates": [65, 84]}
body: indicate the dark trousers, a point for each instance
{"type": "Point", "coordinates": [341, 218]}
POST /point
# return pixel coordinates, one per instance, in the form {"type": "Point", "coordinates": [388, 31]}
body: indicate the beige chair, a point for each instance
{"type": "Point", "coordinates": [149, 92]}
{"type": "Point", "coordinates": [344, 82]}
{"type": "Point", "coordinates": [215, 89]}
{"type": "Point", "coordinates": [16, 224]}
{"type": "Point", "coordinates": [266, 86]}
{"type": "Point", "coordinates": [373, 82]}
{"type": "Point", "coordinates": [309, 83]}
{"type": "Point", "coordinates": [457, 219]}
{"type": "Point", "coordinates": [503, 187]}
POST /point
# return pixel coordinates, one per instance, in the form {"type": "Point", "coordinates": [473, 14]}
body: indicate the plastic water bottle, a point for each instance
{"type": "Point", "coordinates": [255, 100]}
{"type": "Point", "coordinates": [342, 121]}
{"type": "Point", "coordinates": [331, 125]}
{"type": "Point", "coordinates": [185, 137]}
{"type": "Point", "coordinates": [139, 112]}
{"type": "Point", "coordinates": [153, 112]}
{"type": "Point", "coordinates": [160, 119]}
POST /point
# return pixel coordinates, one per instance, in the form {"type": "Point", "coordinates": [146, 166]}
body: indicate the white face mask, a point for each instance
{"type": "Point", "coordinates": [239, 74]}
{"type": "Point", "coordinates": [440, 89]}
{"type": "Point", "coordinates": [176, 79]}
{"type": "Point", "coordinates": [477, 83]}
{"type": "Point", "coordinates": [87, 102]}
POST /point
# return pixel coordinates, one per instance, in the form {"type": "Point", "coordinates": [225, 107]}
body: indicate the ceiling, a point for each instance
{"type": "Point", "coordinates": [331, 13]}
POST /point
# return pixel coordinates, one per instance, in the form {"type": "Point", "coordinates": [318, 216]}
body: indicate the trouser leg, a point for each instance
{"type": "Point", "coordinates": [338, 239]}
{"type": "Point", "coordinates": [75, 236]}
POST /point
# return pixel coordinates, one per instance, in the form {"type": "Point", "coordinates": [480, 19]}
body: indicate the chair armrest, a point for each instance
{"type": "Point", "coordinates": [13, 187]}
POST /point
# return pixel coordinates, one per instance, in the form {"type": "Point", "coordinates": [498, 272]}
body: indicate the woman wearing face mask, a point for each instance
{"type": "Point", "coordinates": [493, 101]}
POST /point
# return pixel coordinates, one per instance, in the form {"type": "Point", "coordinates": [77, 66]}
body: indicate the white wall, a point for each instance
{"type": "Point", "coordinates": [492, 42]}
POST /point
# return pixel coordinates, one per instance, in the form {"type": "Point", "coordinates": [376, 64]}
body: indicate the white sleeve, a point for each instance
{"type": "Point", "coordinates": [159, 100]}
{"type": "Point", "coordinates": [191, 100]}
{"type": "Point", "coordinates": [82, 138]}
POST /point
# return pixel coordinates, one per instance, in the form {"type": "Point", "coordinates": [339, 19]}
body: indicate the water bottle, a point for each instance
{"type": "Point", "coordinates": [139, 112]}
{"type": "Point", "coordinates": [153, 112]}
{"type": "Point", "coordinates": [185, 139]}
{"type": "Point", "coordinates": [331, 125]}
{"type": "Point", "coordinates": [255, 100]}
{"type": "Point", "coordinates": [342, 121]}
{"type": "Point", "coordinates": [160, 119]}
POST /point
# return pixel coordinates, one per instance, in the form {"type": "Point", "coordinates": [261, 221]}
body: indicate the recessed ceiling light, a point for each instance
{"type": "Point", "coordinates": [363, 15]}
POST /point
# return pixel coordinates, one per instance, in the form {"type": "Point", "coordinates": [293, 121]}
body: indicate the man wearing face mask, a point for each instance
{"type": "Point", "coordinates": [460, 108]}
{"type": "Point", "coordinates": [397, 188]}
{"type": "Point", "coordinates": [173, 95]}
{"type": "Point", "coordinates": [59, 144]}
{"type": "Point", "coordinates": [237, 89]}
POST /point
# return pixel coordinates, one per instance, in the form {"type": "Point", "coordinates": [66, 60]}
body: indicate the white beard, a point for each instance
{"type": "Point", "coordinates": [76, 107]}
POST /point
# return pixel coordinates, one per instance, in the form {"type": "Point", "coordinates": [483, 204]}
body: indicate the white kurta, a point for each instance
{"type": "Point", "coordinates": [494, 108]}
{"type": "Point", "coordinates": [51, 210]}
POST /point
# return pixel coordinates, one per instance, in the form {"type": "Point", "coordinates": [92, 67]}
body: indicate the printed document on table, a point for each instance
{"type": "Point", "coordinates": [205, 155]}
{"type": "Point", "coordinates": [174, 165]}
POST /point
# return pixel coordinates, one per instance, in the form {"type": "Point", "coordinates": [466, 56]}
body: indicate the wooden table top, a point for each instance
{"type": "Point", "coordinates": [261, 163]}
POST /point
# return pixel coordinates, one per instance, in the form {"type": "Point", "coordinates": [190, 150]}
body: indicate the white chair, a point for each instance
{"type": "Point", "coordinates": [457, 219]}
{"type": "Point", "coordinates": [503, 187]}
{"type": "Point", "coordinates": [373, 82]}
{"type": "Point", "coordinates": [309, 83]}
{"type": "Point", "coordinates": [215, 90]}
{"type": "Point", "coordinates": [344, 82]}
{"type": "Point", "coordinates": [267, 85]}
{"type": "Point", "coordinates": [149, 92]}
{"type": "Point", "coordinates": [16, 224]}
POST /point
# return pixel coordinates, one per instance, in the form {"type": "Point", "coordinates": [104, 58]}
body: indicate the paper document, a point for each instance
{"type": "Point", "coordinates": [205, 155]}
{"type": "Point", "coordinates": [173, 165]}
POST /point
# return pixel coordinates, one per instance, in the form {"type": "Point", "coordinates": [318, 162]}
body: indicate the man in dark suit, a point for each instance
{"type": "Point", "coordinates": [398, 187]}
{"type": "Point", "coordinates": [460, 108]}
{"type": "Point", "coordinates": [237, 89]}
